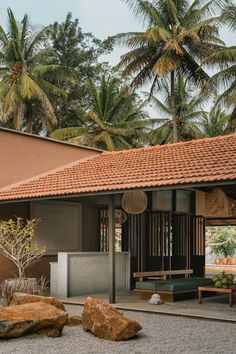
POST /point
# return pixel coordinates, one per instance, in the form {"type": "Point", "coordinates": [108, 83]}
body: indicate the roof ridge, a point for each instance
{"type": "Point", "coordinates": [171, 145]}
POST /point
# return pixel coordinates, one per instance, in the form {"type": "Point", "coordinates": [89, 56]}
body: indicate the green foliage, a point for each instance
{"type": "Point", "coordinates": [178, 37]}
{"type": "Point", "coordinates": [214, 123]}
{"type": "Point", "coordinates": [44, 77]}
{"type": "Point", "coordinates": [114, 120]}
{"type": "Point", "coordinates": [70, 47]}
{"type": "Point", "coordinates": [188, 112]}
{"type": "Point", "coordinates": [26, 86]}
{"type": "Point", "coordinates": [223, 241]}
{"type": "Point", "coordinates": [17, 243]}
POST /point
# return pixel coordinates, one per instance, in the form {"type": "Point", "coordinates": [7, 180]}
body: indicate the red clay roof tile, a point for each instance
{"type": "Point", "coordinates": [196, 161]}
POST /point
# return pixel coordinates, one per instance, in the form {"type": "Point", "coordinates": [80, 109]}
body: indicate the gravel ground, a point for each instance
{"type": "Point", "coordinates": [160, 334]}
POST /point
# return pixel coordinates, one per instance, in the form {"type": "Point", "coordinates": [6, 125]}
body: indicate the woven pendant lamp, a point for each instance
{"type": "Point", "coordinates": [218, 204]}
{"type": "Point", "coordinates": [134, 202]}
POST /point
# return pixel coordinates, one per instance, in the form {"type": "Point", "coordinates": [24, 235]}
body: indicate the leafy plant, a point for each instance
{"type": "Point", "coordinates": [17, 243]}
{"type": "Point", "coordinates": [223, 242]}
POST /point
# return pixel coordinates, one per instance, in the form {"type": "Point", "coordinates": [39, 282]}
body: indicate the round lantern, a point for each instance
{"type": "Point", "coordinates": [134, 202]}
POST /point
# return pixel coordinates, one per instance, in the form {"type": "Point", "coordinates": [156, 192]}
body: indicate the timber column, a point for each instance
{"type": "Point", "coordinates": [112, 265]}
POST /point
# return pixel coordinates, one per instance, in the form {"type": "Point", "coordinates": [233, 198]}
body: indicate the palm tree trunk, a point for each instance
{"type": "Point", "coordinates": [30, 120]}
{"type": "Point", "coordinates": [173, 106]}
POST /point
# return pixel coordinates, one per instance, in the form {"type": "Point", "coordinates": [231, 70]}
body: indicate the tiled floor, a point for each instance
{"type": "Point", "coordinates": [214, 307]}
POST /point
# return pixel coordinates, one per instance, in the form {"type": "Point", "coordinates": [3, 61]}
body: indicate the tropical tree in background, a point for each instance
{"type": "Point", "coordinates": [214, 123]}
{"type": "Point", "coordinates": [179, 36]}
{"type": "Point", "coordinates": [226, 78]}
{"type": "Point", "coordinates": [114, 120]}
{"type": "Point", "coordinates": [69, 46]}
{"type": "Point", "coordinates": [26, 85]}
{"type": "Point", "coordinates": [188, 112]}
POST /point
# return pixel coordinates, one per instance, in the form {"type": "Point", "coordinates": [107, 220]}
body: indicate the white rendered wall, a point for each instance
{"type": "Point", "coordinates": [80, 273]}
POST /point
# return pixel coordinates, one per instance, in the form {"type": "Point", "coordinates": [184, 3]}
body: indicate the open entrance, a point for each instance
{"type": "Point", "coordinates": [220, 246]}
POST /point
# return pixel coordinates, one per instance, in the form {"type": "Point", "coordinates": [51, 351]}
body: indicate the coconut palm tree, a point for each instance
{"type": "Point", "coordinates": [215, 123]}
{"type": "Point", "coordinates": [114, 121]}
{"type": "Point", "coordinates": [188, 112]}
{"type": "Point", "coordinates": [26, 86]}
{"type": "Point", "coordinates": [179, 36]}
{"type": "Point", "coordinates": [225, 58]}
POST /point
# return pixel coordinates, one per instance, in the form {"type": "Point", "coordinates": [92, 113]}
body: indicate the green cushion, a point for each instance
{"type": "Point", "coordinates": [146, 285]}
{"type": "Point", "coordinates": [174, 284]}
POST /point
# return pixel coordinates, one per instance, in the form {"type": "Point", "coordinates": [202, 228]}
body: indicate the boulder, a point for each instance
{"type": "Point", "coordinates": [74, 321]}
{"type": "Point", "coordinates": [38, 317]}
{"type": "Point", "coordinates": [106, 322]}
{"type": "Point", "coordinates": [22, 298]}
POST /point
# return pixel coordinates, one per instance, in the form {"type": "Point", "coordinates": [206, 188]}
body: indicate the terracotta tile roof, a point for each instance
{"type": "Point", "coordinates": [198, 161]}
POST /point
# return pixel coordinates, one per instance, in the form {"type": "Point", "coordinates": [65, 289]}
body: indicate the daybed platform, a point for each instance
{"type": "Point", "coordinates": [172, 289]}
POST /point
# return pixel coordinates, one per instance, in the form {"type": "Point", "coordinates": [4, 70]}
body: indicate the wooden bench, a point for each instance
{"type": "Point", "coordinates": [162, 274]}
{"type": "Point", "coordinates": [166, 295]}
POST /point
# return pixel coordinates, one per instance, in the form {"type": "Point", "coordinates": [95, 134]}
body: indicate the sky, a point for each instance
{"type": "Point", "coordinates": [101, 17]}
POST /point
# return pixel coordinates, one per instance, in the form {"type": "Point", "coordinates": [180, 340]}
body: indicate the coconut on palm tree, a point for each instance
{"type": "Point", "coordinates": [179, 36]}
{"type": "Point", "coordinates": [188, 112]}
{"type": "Point", "coordinates": [26, 86]}
{"type": "Point", "coordinates": [114, 121]}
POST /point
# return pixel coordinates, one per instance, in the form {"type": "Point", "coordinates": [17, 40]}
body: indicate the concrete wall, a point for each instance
{"type": "Point", "coordinates": [87, 273]}
{"type": "Point", "coordinates": [24, 156]}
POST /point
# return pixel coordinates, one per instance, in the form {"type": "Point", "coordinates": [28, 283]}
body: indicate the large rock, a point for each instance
{"type": "Point", "coordinates": [38, 317]}
{"type": "Point", "coordinates": [22, 298]}
{"type": "Point", "coordinates": [106, 322]}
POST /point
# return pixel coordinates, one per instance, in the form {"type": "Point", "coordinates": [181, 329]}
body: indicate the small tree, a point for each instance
{"type": "Point", "coordinates": [17, 243]}
{"type": "Point", "coordinates": [223, 241]}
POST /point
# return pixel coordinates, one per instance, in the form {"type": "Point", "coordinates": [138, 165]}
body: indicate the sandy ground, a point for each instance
{"type": "Point", "coordinates": [160, 334]}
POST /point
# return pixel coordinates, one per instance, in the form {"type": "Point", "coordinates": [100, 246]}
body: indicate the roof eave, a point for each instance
{"type": "Point", "coordinates": [120, 191]}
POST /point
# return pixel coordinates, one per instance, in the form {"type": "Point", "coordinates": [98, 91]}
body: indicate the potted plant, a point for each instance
{"type": "Point", "coordinates": [215, 252]}
{"type": "Point", "coordinates": [17, 243]}
{"type": "Point", "coordinates": [223, 243]}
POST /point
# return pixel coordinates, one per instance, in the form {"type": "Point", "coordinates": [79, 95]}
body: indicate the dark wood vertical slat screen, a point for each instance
{"type": "Point", "coordinates": [104, 225]}
{"type": "Point", "coordinates": [199, 236]}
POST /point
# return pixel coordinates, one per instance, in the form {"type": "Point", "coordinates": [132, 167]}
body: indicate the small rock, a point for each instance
{"type": "Point", "coordinates": [38, 317]}
{"type": "Point", "coordinates": [106, 322]}
{"type": "Point", "coordinates": [23, 298]}
{"type": "Point", "coordinates": [74, 321]}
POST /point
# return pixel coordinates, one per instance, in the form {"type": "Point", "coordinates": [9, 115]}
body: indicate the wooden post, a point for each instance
{"type": "Point", "coordinates": [112, 273]}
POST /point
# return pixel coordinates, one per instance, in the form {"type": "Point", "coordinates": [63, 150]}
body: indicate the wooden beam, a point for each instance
{"type": "Point", "coordinates": [112, 271]}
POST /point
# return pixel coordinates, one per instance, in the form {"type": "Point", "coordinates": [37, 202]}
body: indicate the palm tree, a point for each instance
{"type": "Point", "coordinates": [214, 123]}
{"type": "Point", "coordinates": [188, 112]}
{"type": "Point", "coordinates": [26, 85]}
{"type": "Point", "coordinates": [179, 36]}
{"type": "Point", "coordinates": [225, 58]}
{"type": "Point", "coordinates": [114, 121]}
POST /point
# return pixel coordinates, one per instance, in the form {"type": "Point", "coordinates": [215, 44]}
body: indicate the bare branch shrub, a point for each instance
{"type": "Point", "coordinates": [17, 243]}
